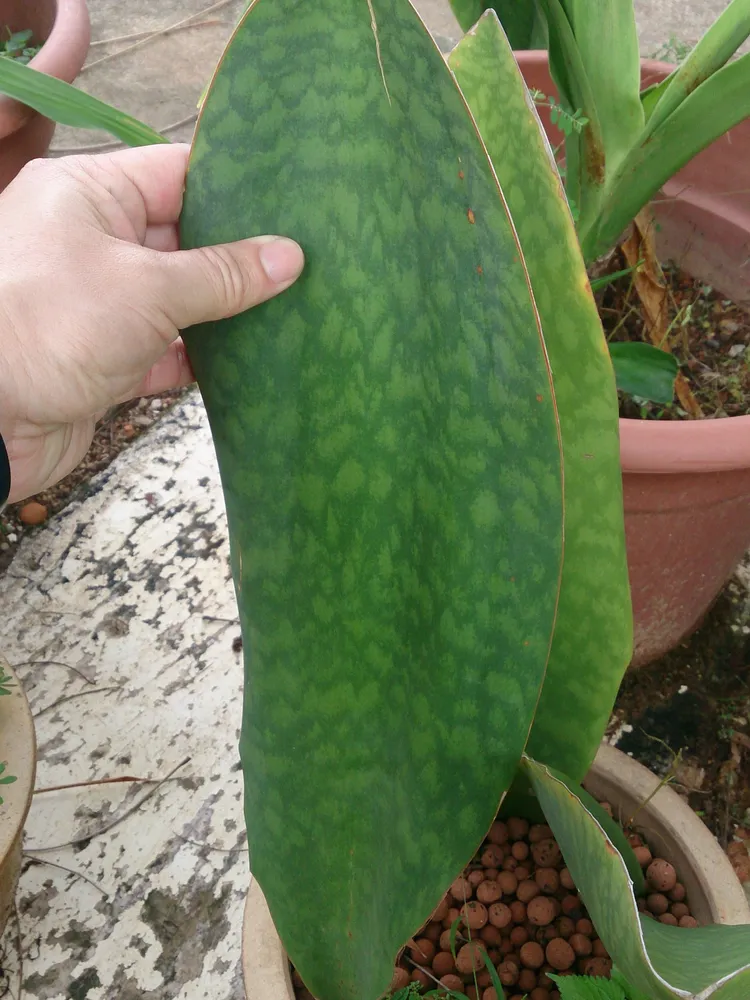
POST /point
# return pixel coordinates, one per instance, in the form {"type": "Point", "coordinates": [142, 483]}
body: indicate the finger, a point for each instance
{"type": "Point", "coordinates": [196, 286]}
{"type": "Point", "coordinates": [171, 371]}
{"type": "Point", "coordinates": [147, 181]}
{"type": "Point", "coordinates": [163, 238]}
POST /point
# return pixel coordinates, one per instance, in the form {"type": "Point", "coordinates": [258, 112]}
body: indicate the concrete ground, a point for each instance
{"type": "Point", "coordinates": [122, 614]}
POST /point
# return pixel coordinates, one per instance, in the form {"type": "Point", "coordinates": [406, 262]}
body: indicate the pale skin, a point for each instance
{"type": "Point", "coordinates": [94, 293]}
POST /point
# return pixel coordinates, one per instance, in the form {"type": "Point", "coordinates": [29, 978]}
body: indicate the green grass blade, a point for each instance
{"type": "Point", "coordinates": [658, 960]}
{"type": "Point", "coordinates": [390, 457]}
{"type": "Point", "coordinates": [608, 279]}
{"type": "Point", "coordinates": [715, 107]}
{"type": "Point", "coordinates": [643, 370]}
{"type": "Point", "coordinates": [592, 642]}
{"type": "Point", "coordinates": [717, 46]}
{"type": "Point", "coordinates": [69, 106]}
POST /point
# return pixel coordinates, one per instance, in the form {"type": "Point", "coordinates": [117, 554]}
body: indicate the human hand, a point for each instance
{"type": "Point", "coordinates": [94, 292]}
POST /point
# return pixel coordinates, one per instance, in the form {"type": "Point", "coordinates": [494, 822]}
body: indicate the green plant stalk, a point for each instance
{"type": "Point", "coordinates": [709, 112]}
{"type": "Point", "coordinates": [712, 52]}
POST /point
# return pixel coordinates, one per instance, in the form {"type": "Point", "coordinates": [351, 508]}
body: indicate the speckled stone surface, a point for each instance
{"type": "Point", "coordinates": [120, 615]}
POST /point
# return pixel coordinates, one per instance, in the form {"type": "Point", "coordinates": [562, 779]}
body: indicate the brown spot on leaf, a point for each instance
{"type": "Point", "coordinates": [471, 217]}
{"type": "Point", "coordinates": [480, 269]}
{"type": "Point", "coordinates": [461, 174]}
{"type": "Point", "coordinates": [539, 398]}
{"type": "Point", "coordinates": [595, 161]}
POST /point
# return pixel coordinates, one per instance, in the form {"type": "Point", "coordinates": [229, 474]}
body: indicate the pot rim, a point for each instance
{"type": "Point", "coordinates": [18, 748]}
{"type": "Point", "coordinates": [71, 33]}
{"type": "Point", "coordinates": [62, 55]}
{"type": "Point", "coordinates": [685, 446]}
{"type": "Point", "coordinates": [265, 968]}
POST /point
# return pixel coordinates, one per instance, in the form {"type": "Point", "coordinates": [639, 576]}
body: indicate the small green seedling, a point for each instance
{"type": "Point", "coordinates": [18, 45]}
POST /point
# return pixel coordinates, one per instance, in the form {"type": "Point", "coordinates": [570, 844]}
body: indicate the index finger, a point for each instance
{"type": "Point", "coordinates": [157, 179]}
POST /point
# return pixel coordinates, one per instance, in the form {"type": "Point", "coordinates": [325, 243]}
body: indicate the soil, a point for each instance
{"type": "Point", "coordinates": [687, 718]}
{"type": "Point", "coordinates": [708, 334]}
{"type": "Point", "coordinates": [516, 906]}
{"type": "Point", "coordinates": [122, 425]}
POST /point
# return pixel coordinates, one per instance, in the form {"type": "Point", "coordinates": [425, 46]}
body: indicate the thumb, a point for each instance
{"type": "Point", "coordinates": [211, 283]}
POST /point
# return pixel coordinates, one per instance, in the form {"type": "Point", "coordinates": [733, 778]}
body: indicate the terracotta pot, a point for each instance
{"type": "Point", "coordinates": [18, 750]}
{"type": "Point", "coordinates": [667, 823]}
{"type": "Point", "coordinates": [63, 26]}
{"type": "Point", "coordinates": [686, 483]}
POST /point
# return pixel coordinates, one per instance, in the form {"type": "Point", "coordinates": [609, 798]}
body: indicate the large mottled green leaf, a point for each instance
{"type": "Point", "coordinates": [593, 634]}
{"type": "Point", "coordinates": [69, 106]}
{"type": "Point", "coordinates": [716, 106]}
{"type": "Point", "coordinates": [663, 962]}
{"type": "Point", "coordinates": [522, 20]}
{"type": "Point", "coordinates": [391, 463]}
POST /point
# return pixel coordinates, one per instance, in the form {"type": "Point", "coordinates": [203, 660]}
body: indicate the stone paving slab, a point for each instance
{"type": "Point", "coordinates": [120, 615]}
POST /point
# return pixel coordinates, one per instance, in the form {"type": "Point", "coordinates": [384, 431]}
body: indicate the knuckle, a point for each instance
{"type": "Point", "coordinates": [234, 282]}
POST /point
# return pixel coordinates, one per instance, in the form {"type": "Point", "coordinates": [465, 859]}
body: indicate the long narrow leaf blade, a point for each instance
{"type": "Point", "coordinates": [390, 455]}
{"type": "Point", "coordinates": [585, 150]}
{"type": "Point", "coordinates": [607, 40]}
{"type": "Point", "coordinates": [708, 113]}
{"type": "Point", "coordinates": [593, 634]}
{"type": "Point", "coordinates": [664, 962]}
{"type": "Point", "coordinates": [69, 106]}
{"type": "Point", "coordinates": [717, 46]}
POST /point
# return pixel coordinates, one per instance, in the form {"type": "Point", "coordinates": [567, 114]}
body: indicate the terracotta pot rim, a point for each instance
{"type": "Point", "coordinates": [540, 56]}
{"type": "Point", "coordinates": [685, 446]}
{"type": "Point", "coordinates": [62, 55]}
{"type": "Point", "coordinates": [264, 963]}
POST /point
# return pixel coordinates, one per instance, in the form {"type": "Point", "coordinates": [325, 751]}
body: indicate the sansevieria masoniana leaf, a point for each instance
{"type": "Point", "coordinates": [390, 456]}
{"type": "Point", "coordinates": [593, 635]}
{"type": "Point", "coordinates": [665, 963]}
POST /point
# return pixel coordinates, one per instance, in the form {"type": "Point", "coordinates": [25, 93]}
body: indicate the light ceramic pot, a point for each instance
{"type": "Point", "coordinates": [18, 751]}
{"type": "Point", "coordinates": [63, 26]}
{"type": "Point", "coordinates": [666, 822]}
{"type": "Point", "coordinates": [686, 483]}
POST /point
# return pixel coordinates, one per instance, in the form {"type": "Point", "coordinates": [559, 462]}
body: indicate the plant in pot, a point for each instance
{"type": "Point", "coordinates": [686, 479]}
{"type": "Point", "coordinates": [419, 452]}
{"type": "Point", "coordinates": [53, 35]}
